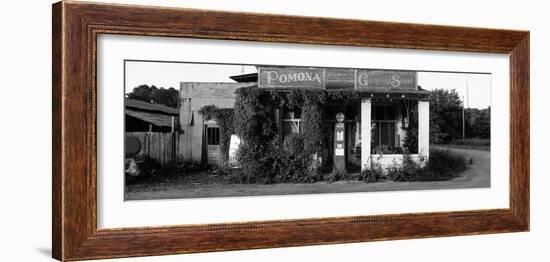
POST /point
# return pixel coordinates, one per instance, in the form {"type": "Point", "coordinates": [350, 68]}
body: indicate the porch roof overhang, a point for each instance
{"type": "Point", "coordinates": [149, 107]}
{"type": "Point", "coordinates": [396, 94]}
{"type": "Point", "coordinates": [374, 93]}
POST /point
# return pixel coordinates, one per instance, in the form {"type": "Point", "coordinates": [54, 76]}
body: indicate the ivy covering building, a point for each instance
{"type": "Point", "coordinates": [305, 120]}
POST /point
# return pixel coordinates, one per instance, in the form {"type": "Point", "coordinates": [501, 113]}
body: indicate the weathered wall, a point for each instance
{"type": "Point", "coordinates": [194, 96]}
{"type": "Point", "coordinates": [391, 160]}
{"type": "Point", "coordinates": [156, 145]}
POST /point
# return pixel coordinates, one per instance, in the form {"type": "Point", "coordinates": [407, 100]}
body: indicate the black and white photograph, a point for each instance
{"type": "Point", "coordinates": [199, 130]}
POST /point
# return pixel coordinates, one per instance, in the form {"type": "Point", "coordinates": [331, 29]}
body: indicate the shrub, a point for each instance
{"type": "Point", "coordinates": [384, 150]}
{"type": "Point", "coordinates": [372, 175]}
{"type": "Point", "coordinates": [237, 177]}
{"type": "Point", "coordinates": [255, 166]}
{"type": "Point", "coordinates": [333, 176]}
{"type": "Point", "coordinates": [408, 171]}
{"type": "Point", "coordinates": [181, 166]}
{"type": "Point", "coordinates": [442, 165]}
{"type": "Point", "coordinates": [352, 172]}
{"type": "Point", "coordinates": [275, 163]}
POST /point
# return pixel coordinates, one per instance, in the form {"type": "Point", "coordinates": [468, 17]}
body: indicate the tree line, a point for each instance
{"type": "Point", "coordinates": [152, 94]}
{"type": "Point", "coordinates": [446, 118]}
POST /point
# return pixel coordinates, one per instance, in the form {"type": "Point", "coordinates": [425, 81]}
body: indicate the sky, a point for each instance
{"type": "Point", "coordinates": [474, 89]}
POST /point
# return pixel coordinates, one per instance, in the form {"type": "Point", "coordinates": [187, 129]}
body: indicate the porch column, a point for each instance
{"type": "Point", "coordinates": [423, 130]}
{"type": "Point", "coordinates": [365, 132]}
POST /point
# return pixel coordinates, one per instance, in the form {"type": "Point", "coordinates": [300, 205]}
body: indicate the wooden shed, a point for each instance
{"type": "Point", "coordinates": [155, 126]}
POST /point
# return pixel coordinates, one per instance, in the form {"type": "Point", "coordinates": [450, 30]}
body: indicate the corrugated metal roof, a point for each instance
{"type": "Point", "coordinates": [137, 104]}
{"type": "Point", "coordinates": [153, 118]}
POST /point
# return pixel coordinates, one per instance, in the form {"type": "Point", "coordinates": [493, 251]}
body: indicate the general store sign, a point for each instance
{"type": "Point", "coordinates": [336, 78]}
{"type": "Point", "coordinates": [382, 79]}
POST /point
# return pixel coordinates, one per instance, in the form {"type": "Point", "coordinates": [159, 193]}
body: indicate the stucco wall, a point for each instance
{"type": "Point", "coordinates": [391, 160]}
{"type": "Point", "coordinates": [194, 96]}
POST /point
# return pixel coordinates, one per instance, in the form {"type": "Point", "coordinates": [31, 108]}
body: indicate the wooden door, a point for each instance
{"type": "Point", "coordinates": [213, 151]}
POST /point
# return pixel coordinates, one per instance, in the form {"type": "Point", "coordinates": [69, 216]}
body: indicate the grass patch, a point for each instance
{"type": "Point", "coordinates": [471, 143]}
{"type": "Point", "coordinates": [442, 165]}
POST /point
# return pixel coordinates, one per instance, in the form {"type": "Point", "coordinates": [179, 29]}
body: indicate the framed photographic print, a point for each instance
{"type": "Point", "coordinates": [181, 130]}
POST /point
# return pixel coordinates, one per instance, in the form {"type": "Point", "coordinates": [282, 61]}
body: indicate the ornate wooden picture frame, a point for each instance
{"type": "Point", "coordinates": [76, 26]}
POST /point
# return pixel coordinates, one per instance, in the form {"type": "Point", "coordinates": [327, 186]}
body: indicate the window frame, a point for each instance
{"type": "Point", "coordinates": [211, 139]}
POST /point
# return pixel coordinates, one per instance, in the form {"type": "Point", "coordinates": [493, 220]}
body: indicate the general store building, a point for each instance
{"type": "Point", "coordinates": [375, 122]}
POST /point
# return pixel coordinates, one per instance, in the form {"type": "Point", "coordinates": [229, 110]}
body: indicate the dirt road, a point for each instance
{"type": "Point", "coordinates": [479, 172]}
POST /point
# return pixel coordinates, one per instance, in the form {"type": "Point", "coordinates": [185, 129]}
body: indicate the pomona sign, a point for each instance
{"type": "Point", "coordinates": [291, 77]}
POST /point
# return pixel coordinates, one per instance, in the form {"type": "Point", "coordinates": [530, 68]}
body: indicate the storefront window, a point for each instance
{"type": "Point", "coordinates": [383, 128]}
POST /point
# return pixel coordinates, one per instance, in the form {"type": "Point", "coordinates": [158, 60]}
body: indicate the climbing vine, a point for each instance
{"type": "Point", "coordinates": [254, 115]}
{"type": "Point", "coordinates": [312, 128]}
{"type": "Point", "coordinates": [410, 143]}
{"type": "Point", "coordinates": [263, 156]}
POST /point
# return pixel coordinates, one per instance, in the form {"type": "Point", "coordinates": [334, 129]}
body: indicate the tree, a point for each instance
{"type": "Point", "coordinates": [152, 94]}
{"type": "Point", "coordinates": [168, 97]}
{"type": "Point", "coordinates": [445, 116]}
{"type": "Point", "coordinates": [142, 92]}
{"type": "Point", "coordinates": [478, 122]}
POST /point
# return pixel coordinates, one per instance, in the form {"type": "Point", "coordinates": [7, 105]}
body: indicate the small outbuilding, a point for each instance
{"type": "Point", "coordinates": [152, 128]}
{"type": "Point", "coordinates": [200, 139]}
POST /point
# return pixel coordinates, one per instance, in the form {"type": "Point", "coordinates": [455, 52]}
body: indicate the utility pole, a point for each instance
{"type": "Point", "coordinates": [467, 92]}
{"type": "Point", "coordinates": [463, 121]}
{"type": "Point", "coordinates": [464, 102]}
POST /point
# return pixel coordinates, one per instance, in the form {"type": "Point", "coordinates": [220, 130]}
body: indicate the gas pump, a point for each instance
{"type": "Point", "coordinates": [339, 146]}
